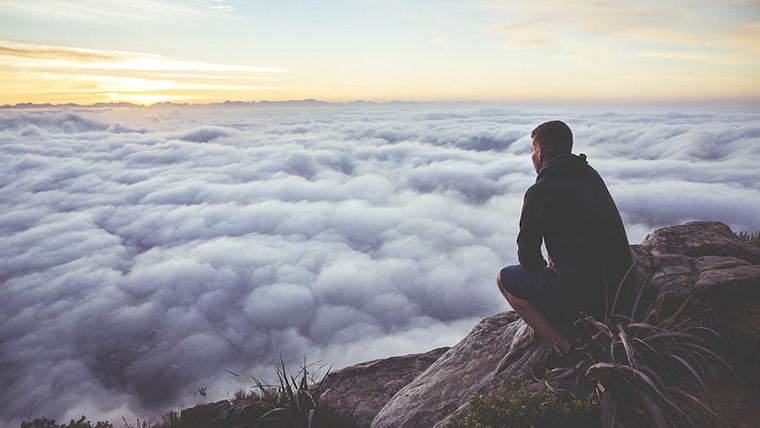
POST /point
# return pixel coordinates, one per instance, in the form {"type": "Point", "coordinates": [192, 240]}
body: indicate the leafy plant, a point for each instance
{"type": "Point", "coordinates": [635, 364]}
{"type": "Point", "coordinates": [520, 407]}
{"type": "Point", "coordinates": [289, 403]}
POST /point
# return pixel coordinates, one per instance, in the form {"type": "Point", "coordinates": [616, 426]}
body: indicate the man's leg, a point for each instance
{"type": "Point", "coordinates": [536, 318]}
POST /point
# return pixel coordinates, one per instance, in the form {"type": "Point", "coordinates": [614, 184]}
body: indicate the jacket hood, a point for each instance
{"type": "Point", "coordinates": [564, 164]}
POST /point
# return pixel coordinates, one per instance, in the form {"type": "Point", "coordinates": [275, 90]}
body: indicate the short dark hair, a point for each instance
{"type": "Point", "coordinates": [554, 138]}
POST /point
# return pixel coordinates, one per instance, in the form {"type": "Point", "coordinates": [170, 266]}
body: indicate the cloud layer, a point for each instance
{"type": "Point", "coordinates": [145, 251]}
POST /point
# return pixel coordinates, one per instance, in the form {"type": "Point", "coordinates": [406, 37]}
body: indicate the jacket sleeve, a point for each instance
{"type": "Point", "coordinates": [530, 236]}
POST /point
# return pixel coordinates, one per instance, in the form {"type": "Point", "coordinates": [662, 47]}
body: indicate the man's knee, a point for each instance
{"type": "Point", "coordinates": [503, 289]}
{"type": "Point", "coordinates": [501, 286]}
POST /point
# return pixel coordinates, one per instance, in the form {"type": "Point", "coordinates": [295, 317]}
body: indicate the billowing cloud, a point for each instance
{"type": "Point", "coordinates": [78, 58]}
{"type": "Point", "coordinates": [107, 12]}
{"type": "Point", "coordinates": [672, 22]}
{"type": "Point", "coordinates": [120, 75]}
{"type": "Point", "coordinates": [147, 250]}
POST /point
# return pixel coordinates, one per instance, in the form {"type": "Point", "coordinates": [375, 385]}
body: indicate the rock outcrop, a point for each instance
{"type": "Point", "coordinates": [356, 394]}
{"type": "Point", "coordinates": [445, 387]}
{"type": "Point", "coordinates": [701, 259]}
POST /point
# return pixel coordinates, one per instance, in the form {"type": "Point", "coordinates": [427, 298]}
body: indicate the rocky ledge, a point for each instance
{"type": "Point", "coordinates": [699, 259]}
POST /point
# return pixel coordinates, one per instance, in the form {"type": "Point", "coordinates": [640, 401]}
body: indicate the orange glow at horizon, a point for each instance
{"type": "Point", "coordinates": [503, 63]}
{"type": "Point", "coordinates": [145, 99]}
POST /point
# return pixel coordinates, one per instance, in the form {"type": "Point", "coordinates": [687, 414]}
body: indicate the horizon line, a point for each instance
{"type": "Point", "coordinates": [361, 101]}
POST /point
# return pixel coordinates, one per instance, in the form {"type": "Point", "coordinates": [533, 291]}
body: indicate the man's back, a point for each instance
{"type": "Point", "coordinates": [570, 208]}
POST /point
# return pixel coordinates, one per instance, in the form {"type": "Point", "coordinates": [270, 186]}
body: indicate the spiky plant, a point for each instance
{"type": "Point", "coordinates": [288, 404]}
{"type": "Point", "coordinates": [636, 363]}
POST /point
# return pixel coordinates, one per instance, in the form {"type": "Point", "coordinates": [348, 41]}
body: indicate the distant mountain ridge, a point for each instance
{"type": "Point", "coordinates": [305, 102]}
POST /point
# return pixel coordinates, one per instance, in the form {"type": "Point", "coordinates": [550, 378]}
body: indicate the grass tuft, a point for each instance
{"type": "Point", "coordinates": [750, 238]}
{"type": "Point", "coordinates": [289, 403]}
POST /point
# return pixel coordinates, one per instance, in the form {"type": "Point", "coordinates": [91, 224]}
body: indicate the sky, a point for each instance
{"type": "Point", "coordinates": [201, 51]}
{"type": "Point", "coordinates": [146, 251]}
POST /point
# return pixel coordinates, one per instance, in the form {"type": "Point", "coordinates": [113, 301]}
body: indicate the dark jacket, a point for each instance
{"type": "Point", "coordinates": [571, 211]}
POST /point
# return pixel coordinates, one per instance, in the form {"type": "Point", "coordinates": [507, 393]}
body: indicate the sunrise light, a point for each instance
{"type": "Point", "coordinates": [485, 50]}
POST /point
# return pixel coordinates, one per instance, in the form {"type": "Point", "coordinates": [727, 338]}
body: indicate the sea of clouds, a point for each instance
{"type": "Point", "coordinates": [145, 251]}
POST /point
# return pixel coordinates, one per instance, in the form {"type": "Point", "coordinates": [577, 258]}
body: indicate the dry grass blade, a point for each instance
{"type": "Point", "coordinates": [609, 312]}
{"type": "Point", "coordinates": [677, 314]}
{"type": "Point", "coordinates": [639, 295]}
{"type": "Point", "coordinates": [626, 346]}
{"type": "Point", "coordinates": [651, 409]}
{"type": "Point", "coordinates": [696, 401]}
{"type": "Point", "coordinates": [694, 373]}
{"type": "Point", "coordinates": [631, 374]}
{"type": "Point", "coordinates": [646, 345]}
{"type": "Point", "coordinates": [608, 406]}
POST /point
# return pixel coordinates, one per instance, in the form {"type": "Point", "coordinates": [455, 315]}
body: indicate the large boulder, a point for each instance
{"type": "Point", "coordinates": [700, 259]}
{"type": "Point", "coordinates": [444, 389]}
{"type": "Point", "coordinates": [699, 239]}
{"type": "Point", "coordinates": [356, 394]}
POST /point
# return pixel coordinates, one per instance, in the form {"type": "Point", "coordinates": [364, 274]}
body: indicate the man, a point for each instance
{"type": "Point", "coordinates": [570, 210]}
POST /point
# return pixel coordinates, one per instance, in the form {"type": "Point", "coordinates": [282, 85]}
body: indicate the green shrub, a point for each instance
{"type": "Point", "coordinates": [50, 423]}
{"type": "Point", "coordinates": [169, 420]}
{"type": "Point", "coordinates": [752, 239]}
{"type": "Point", "coordinates": [519, 407]}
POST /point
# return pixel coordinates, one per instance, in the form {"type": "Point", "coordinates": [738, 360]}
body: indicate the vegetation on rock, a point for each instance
{"type": "Point", "coordinates": [750, 238]}
{"type": "Point", "coordinates": [633, 365]}
{"type": "Point", "coordinates": [50, 423]}
{"type": "Point", "coordinates": [519, 406]}
{"type": "Point", "coordinates": [168, 420]}
{"type": "Point", "coordinates": [636, 365]}
{"type": "Point", "coordinates": [288, 404]}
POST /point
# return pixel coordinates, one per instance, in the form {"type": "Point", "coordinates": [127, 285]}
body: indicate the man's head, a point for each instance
{"type": "Point", "coordinates": [549, 140]}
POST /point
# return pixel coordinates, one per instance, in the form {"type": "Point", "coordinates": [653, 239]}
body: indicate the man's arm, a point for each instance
{"type": "Point", "coordinates": [529, 238]}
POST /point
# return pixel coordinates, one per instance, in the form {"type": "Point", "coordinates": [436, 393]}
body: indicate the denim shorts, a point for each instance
{"type": "Point", "coordinates": [538, 286]}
